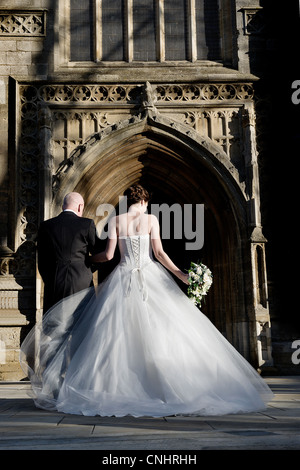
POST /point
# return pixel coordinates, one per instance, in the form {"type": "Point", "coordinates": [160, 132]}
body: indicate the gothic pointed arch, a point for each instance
{"type": "Point", "coordinates": [181, 167]}
{"type": "Point", "coordinates": [130, 139]}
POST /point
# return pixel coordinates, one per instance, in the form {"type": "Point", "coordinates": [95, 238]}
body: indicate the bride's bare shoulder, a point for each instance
{"type": "Point", "coordinates": [152, 219]}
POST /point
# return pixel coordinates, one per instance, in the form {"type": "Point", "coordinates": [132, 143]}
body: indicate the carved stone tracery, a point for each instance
{"type": "Point", "coordinates": [22, 23]}
{"type": "Point", "coordinates": [131, 94]}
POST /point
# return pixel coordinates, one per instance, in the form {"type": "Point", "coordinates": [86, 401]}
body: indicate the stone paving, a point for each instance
{"type": "Point", "coordinates": [24, 427]}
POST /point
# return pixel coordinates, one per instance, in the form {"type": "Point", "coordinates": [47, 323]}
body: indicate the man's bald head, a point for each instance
{"type": "Point", "coordinates": [74, 201]}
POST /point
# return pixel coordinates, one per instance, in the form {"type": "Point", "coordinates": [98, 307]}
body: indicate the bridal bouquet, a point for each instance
{"type": "Point", "coordinates": [200, 280]}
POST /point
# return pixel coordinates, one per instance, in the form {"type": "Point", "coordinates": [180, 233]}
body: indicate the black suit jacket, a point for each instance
{"type": "Point", "coordinates": [64, 244]}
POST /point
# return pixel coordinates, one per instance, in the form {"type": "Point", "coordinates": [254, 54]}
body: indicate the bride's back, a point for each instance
{"type": "Point", "coordinates": [132, 224]}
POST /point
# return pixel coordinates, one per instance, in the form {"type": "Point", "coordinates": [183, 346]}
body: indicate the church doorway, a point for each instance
{"type": "Point", "coordinates": [178, 174]}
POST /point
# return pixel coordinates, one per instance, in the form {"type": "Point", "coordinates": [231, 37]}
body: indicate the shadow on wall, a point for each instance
{"type": "Point", "coordinates": [270, 41]}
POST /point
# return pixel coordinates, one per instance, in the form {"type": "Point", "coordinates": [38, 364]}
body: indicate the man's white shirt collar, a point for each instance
{"type": "Point", "coordinates": [70, 210]}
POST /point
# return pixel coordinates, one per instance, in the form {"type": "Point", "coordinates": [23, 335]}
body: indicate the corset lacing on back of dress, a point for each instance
{"type": "Point", "coordinates": [136, 247]}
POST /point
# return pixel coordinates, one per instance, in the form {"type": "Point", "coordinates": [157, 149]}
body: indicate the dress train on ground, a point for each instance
{"type": "Point", "coordinates": [136, 345]}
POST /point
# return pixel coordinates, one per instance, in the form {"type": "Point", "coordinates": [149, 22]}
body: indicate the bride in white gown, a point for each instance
{"type": "Point", "coordinates": [137, 345]}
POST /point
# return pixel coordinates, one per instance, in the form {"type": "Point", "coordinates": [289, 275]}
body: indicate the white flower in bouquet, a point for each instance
{"type": "Point", "coordinates": [200, 281]}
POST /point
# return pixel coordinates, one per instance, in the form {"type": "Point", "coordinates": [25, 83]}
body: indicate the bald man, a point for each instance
{"type": "Point", "coordinates": [64, 244]}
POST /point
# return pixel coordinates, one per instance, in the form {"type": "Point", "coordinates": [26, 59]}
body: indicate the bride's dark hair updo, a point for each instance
{"type": "Point", "coordinates": [136, 193]}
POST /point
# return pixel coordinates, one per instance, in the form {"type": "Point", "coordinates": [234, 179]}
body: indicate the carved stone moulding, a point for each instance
{"type": "Point", "coordinates": [131, 94]}
{"type": "Point", "coordinates": [206, 92]}
{"type": "Point", "coordinates": [24, 23]}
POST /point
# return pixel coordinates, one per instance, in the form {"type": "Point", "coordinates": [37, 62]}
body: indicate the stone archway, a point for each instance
{"type": "Point", "coordinates": [178, 169]}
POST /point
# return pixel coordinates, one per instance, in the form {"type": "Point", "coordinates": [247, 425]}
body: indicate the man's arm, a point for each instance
{"type": "Point", "coordinates": [108, 253]}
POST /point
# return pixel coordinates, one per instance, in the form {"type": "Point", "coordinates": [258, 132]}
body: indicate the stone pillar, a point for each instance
{"type": "Point", "coordinates": [45, 183]}
{"type": "Point", "coordinates": [262, 332]}
{"type": "Point", "coordinates": [45, 160]}
{"type": "Point", "coordinates": [261, 308]}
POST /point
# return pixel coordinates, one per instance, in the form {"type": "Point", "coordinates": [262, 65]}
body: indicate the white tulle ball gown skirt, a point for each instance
{"type": "Point", "coordinates": [137, 346]}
